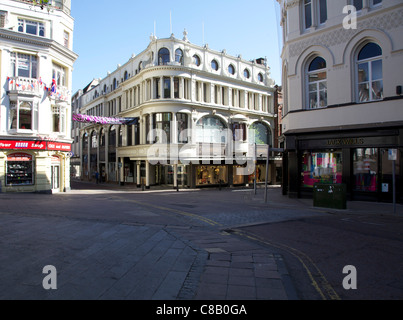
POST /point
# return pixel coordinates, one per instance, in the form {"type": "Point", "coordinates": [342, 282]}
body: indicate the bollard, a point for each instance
{"type": "Point", "coordinates": [142, 186]}
{"type": "Point", "coordinates": [0, 186]}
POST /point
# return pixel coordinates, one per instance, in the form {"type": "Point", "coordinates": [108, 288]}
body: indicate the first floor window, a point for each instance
{"type": "Point", "coordinates": [182, 120]}
{"type": "Point", "coordinates": [317, 84]}
{"type": "Point", "coordinates": [20, 169]}
{"type": "Point", "coordinates": [59, 119]}
{"type": "Point", "coordinates": [59, 75]}
{"type": "Point", "coordinates": [23, 115]}
{"type": "Point", "coordinates": [369, 73]}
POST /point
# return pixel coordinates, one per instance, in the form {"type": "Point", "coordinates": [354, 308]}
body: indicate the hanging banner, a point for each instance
{"type": "Point", "coordinates": [103, 120]}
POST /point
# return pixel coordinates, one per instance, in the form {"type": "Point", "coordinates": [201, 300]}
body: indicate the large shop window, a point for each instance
{"type": "Point", "coordinates": [20, 169]}
{"type": "Point", "coordinates": [365, 165]}
{"type": "Point", "coordinates": [210, 175]}
{"type": "Point", "coordinates": [321, 167]}
{"type": "Point", "coordinates": [260, 133]}
{"type": "Point", "coordinates": [162, 123]}
{"type": "Point", "coordinates": [182, 120]}
{"type": "Point", "coordinates": [210, 130]}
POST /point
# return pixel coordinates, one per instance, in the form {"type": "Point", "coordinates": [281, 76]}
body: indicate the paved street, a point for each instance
{"type": "Point", "coordinates": [110, 242]}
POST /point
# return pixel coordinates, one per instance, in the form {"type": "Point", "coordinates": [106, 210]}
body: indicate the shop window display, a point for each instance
{"type": "Point", "coordinates": [321, 167]}
{"type": "Point", "coordinates": [365, 164]}
{"type": "Point", "coordinates": [209, 175]}
{"type": "Point", "coordinates": [20, 169]}
{"type": "Point", "coordinates": [260, 174]}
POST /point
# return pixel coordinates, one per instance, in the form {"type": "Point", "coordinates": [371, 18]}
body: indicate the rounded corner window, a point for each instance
{"type": "Point", "coordinates": [231, 69]}
{"type": "Point", "coordinates": [196, 60]}
{"type": "Point", "coordinates": [246, 73]}
{"type": "Point", "coordinates": [214, 65]}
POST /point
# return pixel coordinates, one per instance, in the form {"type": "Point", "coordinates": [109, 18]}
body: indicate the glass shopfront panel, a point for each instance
{"type": "Point", "coordinates": [365, 169]}
{"type": "Point", "coordinates": [210, 175]}
{"type": "Point", "coordinates": [321, 167]}
{"type": "Point", "coordinates": [260, 174]}
{"type": "Point", "coordinates": [238, 178]}
{"type": "Point", "coordinates": [20, 170]}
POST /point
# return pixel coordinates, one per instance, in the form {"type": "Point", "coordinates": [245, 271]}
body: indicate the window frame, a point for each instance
{"type": "Point", "coordinates": [310, 73]}
{"type": "Point", "coordinates": [15, 115]}
{"type": "Point", "coordinates": [369, 62]}
{"type": "Point", "coordinates": [24, 24]}
{"type": "Point", "coordinates": [31, 64]}
{"type": "Point", "coordinates": [164, 56]}
{"type": "Point", "coordinates": [59, 112]}
{"type": "Point", "coordinates": [216, 67]}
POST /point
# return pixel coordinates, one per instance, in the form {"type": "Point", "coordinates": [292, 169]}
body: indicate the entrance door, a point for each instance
{"type": "Point", "coordinates": [387, 175]}
{"type": "Point", "coordinates": [55, 174]}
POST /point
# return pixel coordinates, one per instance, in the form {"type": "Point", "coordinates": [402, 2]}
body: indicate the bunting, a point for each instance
{"type": "Point", "coordinates": [51, 91]}
{"type": "Point", "coordinates": [104, 120]}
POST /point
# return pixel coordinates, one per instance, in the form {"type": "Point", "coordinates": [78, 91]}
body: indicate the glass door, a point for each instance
{"type": "Point", "coordinates": [55, 174]}
{"type": "Point", "coordinates": [387, 175]}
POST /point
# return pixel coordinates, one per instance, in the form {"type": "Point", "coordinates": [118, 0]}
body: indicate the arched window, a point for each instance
{"type": "Point", "coordinates": [112, 136]}
{"type": "Point", "coordinates": [163, 56]}
{"type": "Point", "coordinates": [85, 142]}
{"type": "Point", "coordinates": [102, 138]}
{"type": "Point", "coordinates": [210, 129]}
{"type": "Point", "coordinates": [94, 140]}
{"type": "Point", "coordinates": [114, 84]}
{"type": "Point", "coordinates": [260, 77]}
{"type": "Point", "coordinates": [317, 84]}
{"type": "Point", "coordinates": [120, 138]}
{"type": "Point", "coordinates": [214, 65]}
{"type": "Point", "coordinates": [196, 60]}
{"type": "Point", "coordinates": [369, 73]}
{"type": "Point", "coordinates": [179, 56]}
{"type": "Point", "coordinates": [246, 73]}
{"type": "Point", "coordinates": [260, 133]}
{"type": "Point", "coordinates": [231, 69]}
{"type": "Point", "coordinates": [126, 76]}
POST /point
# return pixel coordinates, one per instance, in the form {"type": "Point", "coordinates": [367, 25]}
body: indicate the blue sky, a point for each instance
{"type": "Point", "coordinates": [107, 33]}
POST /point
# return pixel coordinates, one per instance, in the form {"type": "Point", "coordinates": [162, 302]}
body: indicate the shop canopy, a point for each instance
{"type": "Point", "coordinates": [104, 120]}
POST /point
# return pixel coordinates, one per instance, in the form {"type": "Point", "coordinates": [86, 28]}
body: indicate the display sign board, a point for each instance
{"type": "Point", "coordinates": [34, 145]}
{"type": "Point", "coordinates": [392, 154]}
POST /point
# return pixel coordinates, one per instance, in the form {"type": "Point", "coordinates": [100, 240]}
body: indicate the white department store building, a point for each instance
{"type": "Point", "coordinates": [343, 107]}
{"type": "Point", "coordinates": [36, 61]}
{"type": "Point", "coordinates": [204, 104]}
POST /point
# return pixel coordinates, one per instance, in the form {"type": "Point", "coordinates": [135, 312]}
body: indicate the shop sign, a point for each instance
{"type": "Point", "coordinates": [56, 146]}
{"type": "Point", "coordinates": [392, 154]}
{"type": "Point", "coordinates": [23, 145]}
{"type": "Point", "coordinates": [345, 142]}
{"type": "Point", "coordinates": [35, 145]}
{"type": "Point", "coordinates": [19, 157]}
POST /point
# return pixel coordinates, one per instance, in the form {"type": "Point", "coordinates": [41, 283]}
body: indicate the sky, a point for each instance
{"type": "Point", "coordinates": [108, 33]}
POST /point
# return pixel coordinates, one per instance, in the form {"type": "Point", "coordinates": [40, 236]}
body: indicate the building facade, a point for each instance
{"type": "Point", "coordinates": [342, 85]}
{"type": "Point", "coordinates": [193, 112]}
{"type": "Point", "coordinates": [36, 61]}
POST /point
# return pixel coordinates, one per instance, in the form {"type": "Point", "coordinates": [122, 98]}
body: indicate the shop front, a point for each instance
{"type": "Point", "coordinates": [359, 159]}
{"type": "Point", "coordinates": [34, 166]}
